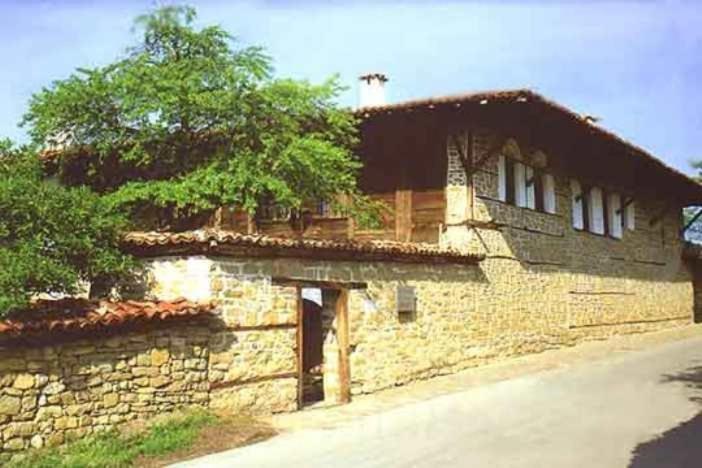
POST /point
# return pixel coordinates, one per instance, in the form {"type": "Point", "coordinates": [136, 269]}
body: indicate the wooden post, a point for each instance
{"type": "Point", "coordinates": [250, 224]}
{"type": "Point", "coordinates": [342, 332]}
{"type": "Point", "coordinates": [471, 182]}
{"type": "Point", "coordinates": [218, 218]}
{"type": "Point", "coordinates": [403, 215]}
{"type": "Point", "coordinates": [299, 342]}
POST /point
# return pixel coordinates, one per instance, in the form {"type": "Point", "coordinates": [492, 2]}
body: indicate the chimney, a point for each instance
{"type": "Point", "coordinates": [371, 90]}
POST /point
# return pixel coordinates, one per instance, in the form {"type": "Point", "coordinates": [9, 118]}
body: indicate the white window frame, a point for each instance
{"type": "Point", "coordinates": [596, 210]}
{"type": "Point", "coordinates": [548, 185]}
{"type": "Point", "coordinates": [520, 189]}
{"type": "Point", "coordinates": [614, 215]}
{"type": "Point", "coordinates": [530, 188]}
{"type": "Point", "coordinates": [576, 191]}
{"type": "Point", "coordinates": [630, 216]}
{"type": "Point", "coordinates": [502, 178]}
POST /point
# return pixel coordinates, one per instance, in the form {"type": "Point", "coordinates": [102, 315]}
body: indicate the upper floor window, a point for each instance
{"type": "Point", "coordinates": [595, 205]}
{"type": "Point", "coordinates": [629, 215]}
{"type": "Point", "coordinates": [523, 185]}
{"type": "Point", "coordinates": [600, 212]}
{"type": "Point", "coordinates": [614, 215]}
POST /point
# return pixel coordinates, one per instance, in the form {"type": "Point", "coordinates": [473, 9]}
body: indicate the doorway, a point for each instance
{"type": "Point", "coordinates": [323, 369]}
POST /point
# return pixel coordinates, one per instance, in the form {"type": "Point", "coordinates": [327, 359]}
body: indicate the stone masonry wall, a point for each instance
{"type": "Point", "coordinates": [466, 315]}
{"type": "Point", "coordinates": [598, 284]}
{"type": "Point", "coordinates": [50, 393]}
{"type": "Point", "coordinates": [244, 359]}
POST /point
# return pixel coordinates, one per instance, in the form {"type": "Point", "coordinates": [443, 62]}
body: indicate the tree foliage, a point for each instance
{"type": "Point", "coordinates": [694, 230]}
{"type": "Point", "coordinates": [51, 237]}
{"type": "Point", "coordinates": [186, 122]}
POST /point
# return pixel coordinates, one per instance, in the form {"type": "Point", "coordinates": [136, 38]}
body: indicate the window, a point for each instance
{"type": "Point", "coordinates": [530, 187]}
{"type": "Point", "coordinates": [596, 211]}
{"type": "Point", "coordinates": [614, 215]}
{"type": "Point", "coordinates": [273, 212]}
{"type": "Point", "coordinates": [520, 188]}
{"type": "Point", "coordinates": [577, 201]}
{"type": "Point", "coordinates": [549, 193]}
{"type": "Point", "coordinates": [525, 186]}
{"type": "Point", "coordinates": [501, 179]}
{"type": "Point", "coordinates": [600, 212]}
{"type": "Point", "coordinates": [629, 215]}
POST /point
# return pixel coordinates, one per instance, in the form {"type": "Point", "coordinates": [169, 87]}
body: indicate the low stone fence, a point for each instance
{"type": "Point", "coordinates": [54, 392]}
{"type": "Point", "coordinates": [65, 374]}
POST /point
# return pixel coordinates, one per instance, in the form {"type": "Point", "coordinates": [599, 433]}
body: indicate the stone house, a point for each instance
{"type": "Point", "coordinates": [513, 226]}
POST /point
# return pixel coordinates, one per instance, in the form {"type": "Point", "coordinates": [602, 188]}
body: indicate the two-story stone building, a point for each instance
{"type": "Point", "coordinates": [513, 226]}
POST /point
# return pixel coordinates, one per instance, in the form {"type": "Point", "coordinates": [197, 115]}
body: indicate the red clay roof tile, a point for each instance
{"type": "Point", "coordinates": [220, 241]}
{"type": "Point", "coordinates": [67, 315]}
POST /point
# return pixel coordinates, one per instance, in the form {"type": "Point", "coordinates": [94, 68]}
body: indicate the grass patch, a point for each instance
{"type": "Point", "coordinates": [164, 440]}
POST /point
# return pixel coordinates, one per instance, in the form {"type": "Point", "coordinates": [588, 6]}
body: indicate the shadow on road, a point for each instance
{"type": "Point", "coordinates": [679, 447]}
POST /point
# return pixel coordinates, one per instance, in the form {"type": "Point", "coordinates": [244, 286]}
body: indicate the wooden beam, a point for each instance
{"type": "Point", "coordinates": [659, 216]}
{"type": "Point", "coordinates": [250, 224]}
{"type": "Point", "coordinates": [403, 215]}
{"type": "Point", "coordinates": [299, 342]}
{"type": "Point", "coordinates": [303, 282]}
{"type": "Point", "coordinates": [466, 157]}
{"type": "Point", "coordinates": [627, 201]}
{"type": "Point", "coordinates": [342, 333]}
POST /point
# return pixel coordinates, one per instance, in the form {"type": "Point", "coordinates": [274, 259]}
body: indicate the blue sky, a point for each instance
{"type": "Point", "coordinates": [635, 64]}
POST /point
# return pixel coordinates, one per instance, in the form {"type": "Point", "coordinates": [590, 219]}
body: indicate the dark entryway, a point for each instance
{"type": "Point", "coordinates": [312, 352]}
{"type": "Point", "coordinates": [322, 346]}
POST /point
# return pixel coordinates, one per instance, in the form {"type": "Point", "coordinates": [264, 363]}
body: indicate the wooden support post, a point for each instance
{"type": "Point", "coordinates": [218, 218]}
{"type": "Point", "coordinates": [403, 215]}
{"type": "Point", "coordinates": [471, 176]}
{"type": "Point", "coordinates": [342, 333]}
{"type": "Point", "coordinates": [250, 224]}
{"type": "Point", "coordinates": [299, 342]}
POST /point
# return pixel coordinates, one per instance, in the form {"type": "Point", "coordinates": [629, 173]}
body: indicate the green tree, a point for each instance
{"type": "Point", "coordinates": [694, 230]}
{"type": "Point", "coordinates": [186, 123]}
{"type": "Point", "coordinates": [51, 237]}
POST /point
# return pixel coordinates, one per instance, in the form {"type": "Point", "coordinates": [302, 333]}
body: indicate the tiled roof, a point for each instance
{"type": "Point", "coordinates": [216, 241]}
{"type": "Point", "coordinates": [510, 95]}
{"type": "Point", "coordinates": [521, 96]}
{"type": "Point", "coordinates": [76, 315]}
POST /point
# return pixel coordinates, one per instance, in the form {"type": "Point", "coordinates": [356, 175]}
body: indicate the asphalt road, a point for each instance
{"type": "Point", "coordinates": [635, 409]}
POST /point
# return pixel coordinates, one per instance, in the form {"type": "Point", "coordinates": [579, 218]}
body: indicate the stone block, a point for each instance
{"type": "Point", "coordinates": [10, 405]}
{"type": "Point", "coordinates": [37, 441]}
{"type": "Point", "coordinates": [159, 357]}
{"type": "Point", "coordinates": [109, 400]}
{"type": "Point", "coordinates": [24, 381]}
{"type": "Point", "coordinates": [14, 445]}
{"type": "Point", "coordinates": [54, 388]}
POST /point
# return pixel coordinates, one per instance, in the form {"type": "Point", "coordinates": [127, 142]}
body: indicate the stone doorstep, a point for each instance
{"type": "Point", "coordinates": [329, 416]}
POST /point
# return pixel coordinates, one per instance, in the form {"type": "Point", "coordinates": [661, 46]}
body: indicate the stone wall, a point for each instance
{"type": "Point", "coordinates": [55, 391]}
{"type": "Point", "coordinates": [598, 284]}
{"type": "Point", "coordinates": [466, 315]}
{"type": "Point", "coordinates": [244, 359]}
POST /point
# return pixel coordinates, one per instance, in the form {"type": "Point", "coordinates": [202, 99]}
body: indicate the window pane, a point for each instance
{"type": "Point", "coordinates": [549, 190]}
{"type": "Point", "coordinates": [577, 204]}
{"type": "Point", "coordinates": [530, 187]}
{"type": "Point", "coordinates": [615, 215]}
{"type": "Point", "coordinates": [520, 191]}
{"type": "Point", "coordinates": [596, 211]}
{"type": "Point", "coordinates": [501, 178]}
{"type": "Point", "coordinates": [630, 216]}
